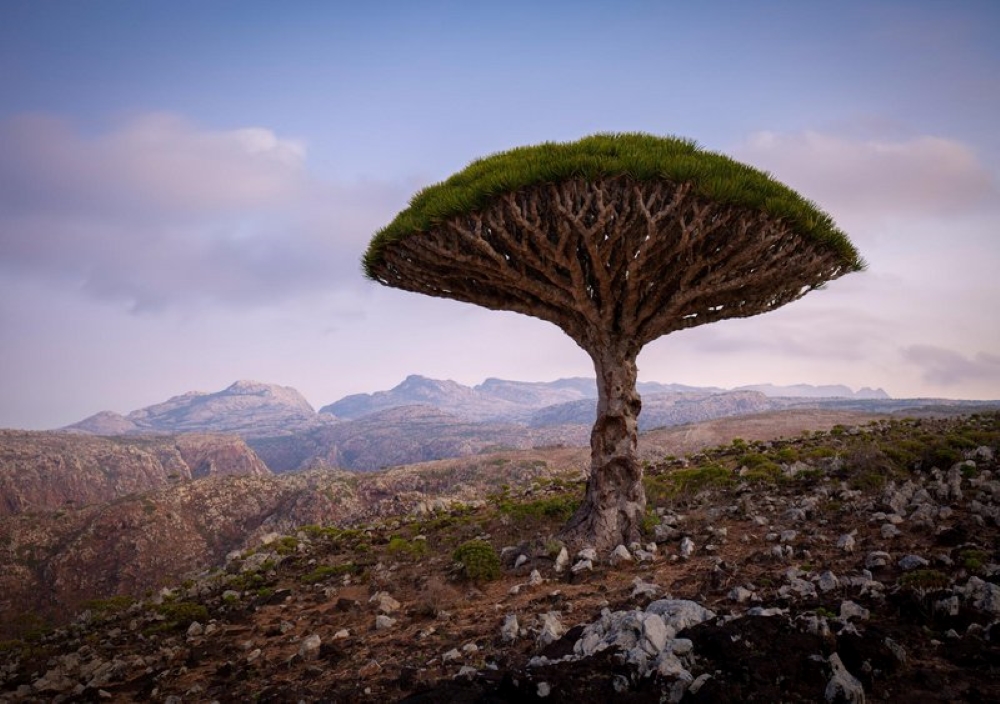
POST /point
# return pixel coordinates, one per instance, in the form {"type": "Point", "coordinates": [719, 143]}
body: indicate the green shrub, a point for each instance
{"type": "Point", "coordinates": [924, 579]}
{"type": "Point", "coordinates": [287, 545]}
{"type": "Point", "coordinates": [557, 508]}
{"type": "Point", "coordinates": [109, 606]}
{"type": "Point", "coordinates": [661, 488]}
{"type": "Point", "coordinates": [401, 548]}
{"type": "Point", "coordinates": [180, 614]}
{"type": "Point", "coordinates": [972, 559]}
{"type": "Point", "coordinates": [479, 561]}
{"type": "Point", "coordinates": [324, 572]}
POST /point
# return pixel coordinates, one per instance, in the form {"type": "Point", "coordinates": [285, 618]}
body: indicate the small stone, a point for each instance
{"type": "Point", "coordinates": [451, 655]}
{"type": "Point", "coordinates": [849, 610]}
{"type": "Point", "coordinates": [587, 554]}
{"type": "Point", "coordinates": [912, 562]}
{"type": "Point", "coordinates": [510, 629]}
{"type": "Point", "coordinates": [843, 686]}
{"type": "Point", "coordinates": [699, 682]}
{"type": "Point", "coordinates": [889, 531]}
{"type": "Point", "coordinates": [309, 648]}
{"type": "Point", "coordinates": [521, 559]}
{"type": "Point", "coordinates": [896, 649]}
{"type": "Point", "coordinates": [382, 622]}
{"type": "Point", "coordinates": [582, 565]}
{"type": "Point", "coordinates": [654, 634]}
{"type": "Point", "coordinates": [342, 634]}
{"type": "Point", "coordinates": [535, 578]}
{"type": "Point", "coordinates": [552, 628]}
{"type": "Point", "coordinates": [195, 629]}
{"type": "Point", "coordinates": [877, 558]}
{"type": "Point", "coordinates": [687, 547]}
{"type": "Point", "coordinates": [369, 670]}
{"type": "Point", "coordinates": [562, 561]}
{"type": "Point", "coordinates": [620, 554]}
{"type": "Point", "coordinates": [740, 595]}
{"type": "Point", "coordinates": [846, 542]}
{"type": "Point", "coordinates": [827, 581]}
{"type": "Point", "coordinates": [641, 588]}
{"type": "Point", "coordinates": [543, 690]}
{"type": "Point", "coordinates": [385, 603]}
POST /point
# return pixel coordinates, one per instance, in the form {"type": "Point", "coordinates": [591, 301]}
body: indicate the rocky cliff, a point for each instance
{"type": "Point", "coordinates": [44, 471]}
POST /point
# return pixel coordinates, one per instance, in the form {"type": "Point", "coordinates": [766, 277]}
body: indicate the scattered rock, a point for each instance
{"type": "Point", "coordinates": [620, 554]}
{"type": "Point", "coordinates": [562, 561]}
{"type": "Point", "coordinates": [551, 629]}
{"type": "Point", "coordinates": [843, 687]}
{"type": "Point", "coordinates": [309, 647]}
{"type": "Point", "coordinates": [510, 629]}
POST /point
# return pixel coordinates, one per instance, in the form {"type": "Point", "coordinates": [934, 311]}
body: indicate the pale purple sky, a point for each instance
{"type": "Point", "coordinates": [186, 188]}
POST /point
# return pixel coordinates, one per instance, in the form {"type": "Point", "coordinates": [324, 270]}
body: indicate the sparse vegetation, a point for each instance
{"type": "Point", "coordinates": [180, 614]}
{"type": "Point", "coordinates": [478, 561]}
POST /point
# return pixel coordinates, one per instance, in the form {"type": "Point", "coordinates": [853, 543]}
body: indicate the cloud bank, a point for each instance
{"type": "Point", "coordinates": [160, 212]}
{"type": "Point", "coordinates": [917, 177]}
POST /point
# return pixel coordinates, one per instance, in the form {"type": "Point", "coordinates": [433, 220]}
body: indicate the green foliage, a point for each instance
{"type": "Point", "coordinates": [180, 614]}
{"type": "Point", "coordinates": [665, 486]}
{"type": "Point", "coordinates": [649, 521]}
{"type": "Point", "coordinates": [247, 581]}
{"type": "Point", "coordinates": [325, 572]}
{"type": "Point", "coordinates": [111, 605]}
{"type": "Point", "coordinates": [924, 579]}
{"type": "Point", "coordinates": [401, 548]}
{"type": "Point", "coordinates": [786, 454]}
{"type": "Point", "coordinates": [972, 559]}
{"type": "Point", "coordinates": [558, 508]}
{"type": "Point", "coordinates": [940, 455]}
{"type": "Point", "coordinates": [286, 545]}
{"type": "Point", "coordinates": [479, 561]}
{"type": "Point", "coordinates": [642, 157]}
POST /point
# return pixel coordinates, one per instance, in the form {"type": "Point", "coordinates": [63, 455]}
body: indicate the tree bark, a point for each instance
{"type": "Point", "coordinates": [615, 500]}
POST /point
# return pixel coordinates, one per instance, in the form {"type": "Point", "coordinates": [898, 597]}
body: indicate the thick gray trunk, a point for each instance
{"type": "Point", "coordinates": [615, 501]}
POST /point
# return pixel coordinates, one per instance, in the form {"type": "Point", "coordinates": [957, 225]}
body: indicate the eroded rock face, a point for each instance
{"type": "Point", "coordinates": [48, 471]}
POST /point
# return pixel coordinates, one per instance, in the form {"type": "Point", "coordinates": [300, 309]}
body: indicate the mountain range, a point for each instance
{"type": "Point", "coordinates": [424, 419]}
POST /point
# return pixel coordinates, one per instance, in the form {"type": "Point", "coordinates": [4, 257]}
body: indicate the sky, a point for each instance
{"type": "Point", "coordinates": [186, 188]}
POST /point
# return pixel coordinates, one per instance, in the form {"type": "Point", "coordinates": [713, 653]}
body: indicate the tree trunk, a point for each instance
{"type": "Point", "coordinates": [616, 500]}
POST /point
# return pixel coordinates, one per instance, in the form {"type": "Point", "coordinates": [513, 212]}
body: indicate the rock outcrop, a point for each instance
{"type": "Point", "coordinates": [46, 471]}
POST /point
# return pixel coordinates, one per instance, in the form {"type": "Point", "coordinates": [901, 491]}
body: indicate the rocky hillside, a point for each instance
{"type": "Point", "coordinates": [664, 409]}
{"type": "Point", "coordinates": [44, 471]}
{"type": "Point", "coordinates": [248, 408]}
{"type": "Point", "coordinates": [856, 565]}
{"type": "Point", "coordinates": [405, 435]}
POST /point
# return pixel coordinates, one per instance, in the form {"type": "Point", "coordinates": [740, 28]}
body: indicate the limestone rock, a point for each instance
{"type": "Point", "coordinates": [843, 687]}
{"type": "Point", "coordinates": [309, 647]}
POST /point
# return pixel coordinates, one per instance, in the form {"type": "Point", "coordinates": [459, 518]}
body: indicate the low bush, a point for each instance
{"type": "Point", "coordinates": [478, 561]}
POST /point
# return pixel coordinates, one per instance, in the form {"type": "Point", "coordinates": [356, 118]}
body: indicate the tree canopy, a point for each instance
{"type": "Point", "coordinates": [640, 157]}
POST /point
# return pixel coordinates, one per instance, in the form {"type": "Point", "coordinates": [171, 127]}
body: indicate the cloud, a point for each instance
{"type": "Point", "coordinates": [159, 212]}
{"type": "Point", "coordinates": [949, 368]}
{"type": "Point", "coordinates": [921, 176]}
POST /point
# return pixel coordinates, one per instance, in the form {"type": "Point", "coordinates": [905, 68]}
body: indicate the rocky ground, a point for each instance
{"type": "Point", "coordinates": [859, 564]}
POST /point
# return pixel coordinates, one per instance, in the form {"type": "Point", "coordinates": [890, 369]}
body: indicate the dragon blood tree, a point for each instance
{"type": "Point", "coordinates": [617, 239]}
